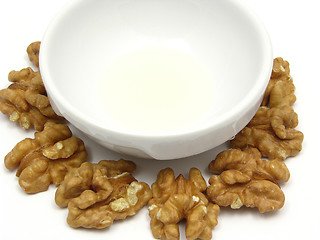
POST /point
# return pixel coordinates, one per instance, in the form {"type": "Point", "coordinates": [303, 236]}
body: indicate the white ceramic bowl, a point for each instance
{"type": "Point", "coordinates": [224, 35]}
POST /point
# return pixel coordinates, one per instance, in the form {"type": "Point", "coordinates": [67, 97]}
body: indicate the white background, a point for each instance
{"type": "Point", "coordinates": [293, 26]}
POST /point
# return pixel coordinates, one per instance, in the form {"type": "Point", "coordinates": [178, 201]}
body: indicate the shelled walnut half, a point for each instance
{"type": "Point", "coordinates": [246, 179]}
{"type": "Point", "coordinates": [98, 194]}
{"type": "Point", "coordinates": [47, 158]}
{"type": "Point", "coordinates": [177, 199]}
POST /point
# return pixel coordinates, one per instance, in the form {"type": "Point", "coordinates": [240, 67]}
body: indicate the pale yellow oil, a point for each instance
{"type": "Point", "coordinates": [156, 90]}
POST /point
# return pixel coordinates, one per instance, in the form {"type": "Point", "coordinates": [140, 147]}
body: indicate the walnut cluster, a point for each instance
{"type": "Point", "coordinates": [272, 129]}
{"type": "Point", "coordinates": [98, 194]}
{"type": "Point", "coordinates": [26, 100]}
{"type": "Point", "coordinates": [47, 158]}
{"type": "Point", "coordinates": [177, 199]}
{"type": "Point", "coordinates": [246, 179]}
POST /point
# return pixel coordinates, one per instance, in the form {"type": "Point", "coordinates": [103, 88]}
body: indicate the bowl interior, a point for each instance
{"type": "Point", "coordinates": [86, 37]}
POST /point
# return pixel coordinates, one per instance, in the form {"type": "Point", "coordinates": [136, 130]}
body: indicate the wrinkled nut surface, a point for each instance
{"type": "Point", "coordinates": [47, 158]}
{"type": "Point", "coordinates": [98, 194]}
{"type": "Point", "coordinates": [272, 128]}
{"type": "Point", "coordinates": [277, 120]}
{"type": "Point", "coordinates": [177, 199]}
{"type": "Point", "coordinates": [263, 194]}
{"type": "Point", "coordinates": [33, 52]}
{"type": "Point", "coordinates": [270, 145]}
{"type": "Point", "coordinates": [246, 179]}
{"type": "Point", "coordinates": [249, 162]}
{"type": "Point", "coordinates": [81, 179]}
{"type": "Point", "coordinates": [26, 101]}
{"type": "Point", "coordinates": [280, 80]}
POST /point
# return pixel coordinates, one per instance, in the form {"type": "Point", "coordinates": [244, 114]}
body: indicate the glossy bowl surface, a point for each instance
{"type": "Point", "coordinates": [87, 35]}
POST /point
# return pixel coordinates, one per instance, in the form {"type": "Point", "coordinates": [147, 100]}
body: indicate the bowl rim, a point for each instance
{"type": "Point", "coordinates": [225, 119]}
